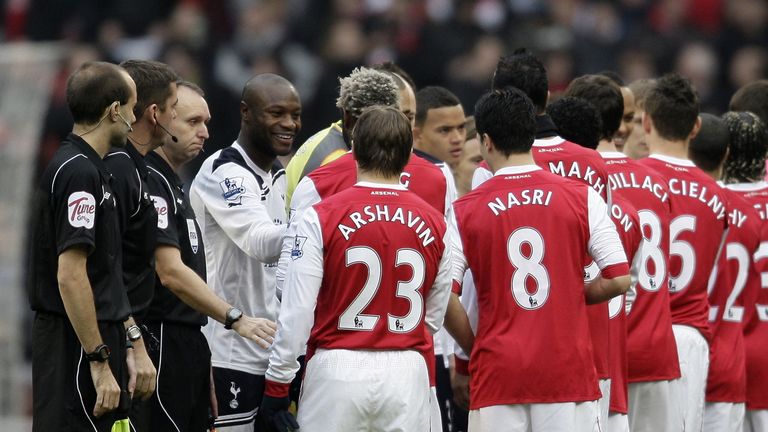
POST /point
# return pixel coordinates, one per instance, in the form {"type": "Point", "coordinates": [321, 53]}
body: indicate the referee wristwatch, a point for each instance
{"type": "Point", "coordinates": [100, 354]}
{"type": "Point", "coordinates": [233, 314]}
{"type": "Point", "coordinates": [133, 333]}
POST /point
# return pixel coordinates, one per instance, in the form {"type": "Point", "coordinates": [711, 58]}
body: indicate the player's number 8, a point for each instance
{"type": "Point", "coordinates": [354, 319]}
{"type": "Point", "coordinates": [651, 251]}
{"type": "Point", "coordinates": [528, 267]}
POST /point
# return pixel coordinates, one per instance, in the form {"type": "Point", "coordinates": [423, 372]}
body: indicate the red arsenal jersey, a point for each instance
{"type": "Point", "coordinates": [627, 224]}
{"type": "Point", "coordinates": [370, 269]}
{"type": "Point", "coordinates": [736, 280]}
{"type": "Point", "coordinates": [526, 234]}
{"type": "Point", "coordinates": [697, 223]}
{"type": "Point", "coordinates": [651, 348]}
{"type": "Point", "coordinates": [756, 312]}
{"type": "Point", "coordinates": [572, 161]}
{"type": "Point", "coordinates": [584, 165]}
{"type": "Point", "coordinates": [419, 176]}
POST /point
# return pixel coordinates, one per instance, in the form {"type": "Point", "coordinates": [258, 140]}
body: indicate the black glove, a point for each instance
{"type": "Point", "coordinates": [275, 413]}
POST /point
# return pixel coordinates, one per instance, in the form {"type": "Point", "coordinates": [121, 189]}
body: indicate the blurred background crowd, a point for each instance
{"type": "Point", "coordinates": [719, 44]}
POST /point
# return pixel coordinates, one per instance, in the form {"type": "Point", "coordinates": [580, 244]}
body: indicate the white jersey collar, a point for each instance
{"type": "Point", "coordinates": [236, 145]}
{"type": "Point", "coordinates": [548, 142]}
{"type": "Point", "coordinates": [381, 185]}
{"type": "Point", "coordinates": [612, 155]}
{"type": "Point", "coordinates": [747, 186]}
{"type": "Point", "coordinates": [673, 160]}
{"type": "Point", "coordinates": [519, 169]}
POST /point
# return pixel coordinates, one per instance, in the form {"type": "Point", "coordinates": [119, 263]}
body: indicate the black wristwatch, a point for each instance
{"type": "Point", "coordinates": [133, 333]}
{"type": "Point", "coordinates": [233, 314]}
{"type": "Point", "coordinates": [100, 354]}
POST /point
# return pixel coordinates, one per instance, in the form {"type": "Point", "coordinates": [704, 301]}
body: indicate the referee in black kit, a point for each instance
{"type": "Point", "coordinates": [78, 341]}
{"type": "Point", "coordinates": [155, 106]}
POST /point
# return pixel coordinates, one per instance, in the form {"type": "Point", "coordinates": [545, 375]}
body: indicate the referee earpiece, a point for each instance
{"type": "Point", "coordinates": [130, 128]}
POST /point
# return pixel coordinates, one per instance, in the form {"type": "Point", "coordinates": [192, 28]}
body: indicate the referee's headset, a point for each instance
{"type": "Point", "coordinates": [130, 128]}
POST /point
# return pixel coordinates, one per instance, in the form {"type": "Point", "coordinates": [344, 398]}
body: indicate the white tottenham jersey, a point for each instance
{"type": "Point", "coordinates": [241, 212]}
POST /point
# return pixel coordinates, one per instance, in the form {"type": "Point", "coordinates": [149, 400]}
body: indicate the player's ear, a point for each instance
{"type": "Point", "coordinates": [487, 143]}
{"type": "Point", "coordinates": [696, 128]}
{"type": "Point", "coordinates": [416, 133]}
{"type": "Point", "coordinates": [244, 111]}
{"type": "Point", "coordinates": [646, 122]}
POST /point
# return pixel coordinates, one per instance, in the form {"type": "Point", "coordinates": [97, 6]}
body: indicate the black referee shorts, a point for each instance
{"type": "Point", "coordinates": [182, 399]}
{"type": "Point", "coordinates": [62, 389]}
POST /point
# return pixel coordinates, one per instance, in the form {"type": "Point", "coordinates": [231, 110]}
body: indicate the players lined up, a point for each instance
{"type": "Point", "coordinates": [373, 261]}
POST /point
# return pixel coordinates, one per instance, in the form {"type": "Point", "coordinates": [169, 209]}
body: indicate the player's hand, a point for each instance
{"type": "Point", "coordinates": [460, 386]}
{"type": "Point", "coordinates": [259, 330]}
{"type": "Point", "coordinates": [107, 390]}
{"type": "Point", "coordinates": [275, 411]}
{"type": "Point", "coordinates": [145, 373]}
{"type": "Point", "coordinates": [130, 363]}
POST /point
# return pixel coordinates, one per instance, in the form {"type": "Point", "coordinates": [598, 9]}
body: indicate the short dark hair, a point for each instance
{"type": "Point", "coordinates": [433, 97]}
{"type": "Point", "coordinates": [382, 140]}
{"type": "Point", "coordinates": [508, 117]}
{"type": "Point", "coordinates": [707, 150]}
{"type": "Point", "coordinates": [577, 121]}
{"type": "Point", "coordinates": [605, 96]}
{"type": "Point", "coordinates": [92, 88]}
{"type": "Point", "coordinates": [525, 71]}
{"type": "Point", "coordinates": [673, 106]}
{"type": "Point", "coordinates": [192, 86]}
{"type": "Point", "coordinates": [399, 72]}
{"type": "Point", "coordinates": [614, 76]}
{"type": "Point", "coordinates": [153, 83]}
{"type": "Point", "coordinates": [752, 97]}
{"type": "Point", "coordinates": [749, 146]}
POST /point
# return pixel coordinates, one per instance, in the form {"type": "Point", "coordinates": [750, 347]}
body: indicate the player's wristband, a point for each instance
{"type": "Point", "coordinates": [461, 365]}
{"type": "Point", "coordinates": [276, 389]}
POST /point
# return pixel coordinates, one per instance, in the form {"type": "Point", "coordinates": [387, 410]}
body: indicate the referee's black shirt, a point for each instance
{"type": "Point", "coordinates": [74, 206]}
{"type": "Point", "coordinates": [138, 225]}
{"type": "Point", "coordinates": [177, 227]}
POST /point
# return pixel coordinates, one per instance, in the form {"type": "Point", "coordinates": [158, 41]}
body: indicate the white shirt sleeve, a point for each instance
{"type": "Point", "coordinates": [480, 176]}
{"type": "Point", "coordinates": [304, 197]}
{"type": "Point", "coordinates": [297, 311]}
{"type": "Point", "coordinates": [604, 243]}
{"type": "Point", "coordinates": [469, 301]}
{"type": "Point", "coordinates": [634, 269]}
{"type": "Point", "coordinates": [242, 215]}
{"type": "Point", "coordinates": [437, 299]}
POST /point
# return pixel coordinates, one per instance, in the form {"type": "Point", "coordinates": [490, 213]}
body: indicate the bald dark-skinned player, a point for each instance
{"type": "Point", "coordinates": [239, 199]}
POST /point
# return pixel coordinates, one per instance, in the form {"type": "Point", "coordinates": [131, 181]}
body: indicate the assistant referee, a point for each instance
{"type": "Point", "coordinates": [76, 289]}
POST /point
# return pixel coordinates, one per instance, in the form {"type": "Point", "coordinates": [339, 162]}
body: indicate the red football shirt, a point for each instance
{"type": "Point", "coordinates": [756, 317]}
{"type": "Point", "coordinates": [420, 176]}
{"type": "Point", "coordinates": [737, 279]}
{"type": "Point", "coordinates": [627, 224]}
{"type": "Point", "coordinates": [370, 266]}
{"type": "Point", "coordinates": [584, 165]}
{"type": "Point", "coordinates": [651, 348]}
{"type": "Point", "coordinates": [526, 234]}
{"type": "Point", "coordinates": [697, 223]}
